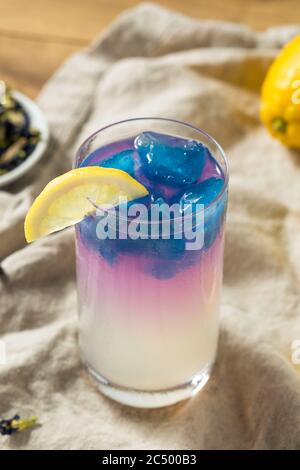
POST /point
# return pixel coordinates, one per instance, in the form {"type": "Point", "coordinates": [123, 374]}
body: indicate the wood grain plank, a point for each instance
{"type": "Point", "coordinates": [37, 35]}
{"type": "Point", "coordinates": [78, 19]}
{"type": "Point", "coordinates": [27, 64]}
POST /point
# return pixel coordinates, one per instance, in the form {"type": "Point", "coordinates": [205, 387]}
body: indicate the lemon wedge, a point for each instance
{"type": "Point", "coordinates": [67, 199]}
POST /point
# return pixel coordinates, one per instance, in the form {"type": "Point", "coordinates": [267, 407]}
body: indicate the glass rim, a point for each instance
{"type": "Point", "coordinates": [211, 139]}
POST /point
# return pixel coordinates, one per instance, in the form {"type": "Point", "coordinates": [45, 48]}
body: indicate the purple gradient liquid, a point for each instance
{"type": "Point", "coordinates": [149, 308]}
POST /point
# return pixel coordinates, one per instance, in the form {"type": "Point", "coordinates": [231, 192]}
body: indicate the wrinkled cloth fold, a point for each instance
{"type": "Point", "coordinates": [153, 62]}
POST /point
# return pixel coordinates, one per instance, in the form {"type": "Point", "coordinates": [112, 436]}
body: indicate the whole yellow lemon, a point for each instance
{"type": "Point", "coordinates": [280, 96]}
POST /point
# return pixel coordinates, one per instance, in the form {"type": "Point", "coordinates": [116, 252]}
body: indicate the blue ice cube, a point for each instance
{"type": "Point", "coordinates": [145, 200]}
{"type": "Point", "coordinates": [170, 160]}
{"type": "Point", "coordinates": [108, 250]}
{"type": "Point", "coordinates": [161, 208]}
{"type": "Point", "coordinates": [214, 222]}
{"type": "Point", "coordinates": [130, 246]}
{"type": "Point", "coordinates": [157, 199]}
{"type": "Point", "coordinates": [166, 267]}
{"type": "Point", "coordinates": [201, 193]}
{"type": "Point", "coordinates": [161, 270]}
{"type": "Point", "coordinates": [204, 193]}
{"type": "Point", "coordinates": [88, 232]}
{"type": "Point", "coordinates": [126, 161]}
{"type": "Point", "coordinates": [121, 161]}
{"type": "Point", "coordinates": [165, 258]}
{"type": "Point", "coordinates": [168, 249]}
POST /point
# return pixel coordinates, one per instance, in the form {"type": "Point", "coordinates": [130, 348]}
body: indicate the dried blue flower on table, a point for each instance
{"type": "Point", "coordinates": [17, 138]}
{"type": "Point", "coordinates": [15, 424]}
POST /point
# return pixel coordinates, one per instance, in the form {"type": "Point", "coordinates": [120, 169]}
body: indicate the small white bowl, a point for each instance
{"type": "Point", "coordinates": [37, 121]}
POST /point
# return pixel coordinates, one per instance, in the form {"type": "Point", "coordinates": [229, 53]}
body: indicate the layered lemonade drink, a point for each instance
{"type": "Point", "coordinates": [149, 303]}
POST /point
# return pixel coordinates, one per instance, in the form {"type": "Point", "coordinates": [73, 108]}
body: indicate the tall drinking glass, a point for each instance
{"type": "Point", "coordinates": [149, 307]}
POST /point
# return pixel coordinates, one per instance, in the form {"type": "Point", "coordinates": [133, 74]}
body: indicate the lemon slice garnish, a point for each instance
{"type": "Point", "coordinates": [67, 199]}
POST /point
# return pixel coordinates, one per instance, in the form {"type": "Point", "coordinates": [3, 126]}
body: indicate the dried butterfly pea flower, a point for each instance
{"type": "Point", "coordinates": [13, 150]}
{"type": "Point", "coordinates": [17, 138]}
{"type": "Point", "coordinates": [15, 424]}
{"type": "Point", "coordinates": [6, 99]}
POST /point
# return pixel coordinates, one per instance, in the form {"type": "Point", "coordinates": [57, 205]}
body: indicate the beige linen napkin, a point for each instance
{"type": "Point", "coordinates": [152, 62]}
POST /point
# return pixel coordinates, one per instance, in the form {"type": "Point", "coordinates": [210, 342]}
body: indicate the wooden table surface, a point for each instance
{"type": "Point", "coordinates": [37, 35]}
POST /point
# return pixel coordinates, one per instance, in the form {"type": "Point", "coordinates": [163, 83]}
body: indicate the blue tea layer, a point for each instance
{"type": "Point", "coordinates": [174, 170]}
{"type": "Point", "coordinates": [170, 160]}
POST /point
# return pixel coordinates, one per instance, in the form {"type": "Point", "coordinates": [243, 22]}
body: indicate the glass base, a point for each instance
{"type": "Point", "coordinates": [154, 399]}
